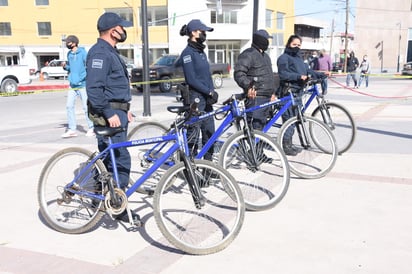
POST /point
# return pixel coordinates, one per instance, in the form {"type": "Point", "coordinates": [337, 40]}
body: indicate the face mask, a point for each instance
{"type": "Point", "coordinates": [294, 50]}
{"type": "Point", "coordinates": [70, 46]}
{"type": "Point", "coordinates": [202, 37]}
{"type": "Point", "coordinates": [260, 42]}
{"type": "Point", "coordinates": [123, 36]}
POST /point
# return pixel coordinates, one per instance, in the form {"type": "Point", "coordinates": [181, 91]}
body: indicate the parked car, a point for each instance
{"type": "Point", "coordinates": [11, 76]}
{"type": "Point", "coordinates": [54, 69]}
{"type": "Point", "coordinates": [337, 66]}
{"type": "Point", "coordinates": [407, 69]}
{"type": "Point", "coordinates": [167, 74]}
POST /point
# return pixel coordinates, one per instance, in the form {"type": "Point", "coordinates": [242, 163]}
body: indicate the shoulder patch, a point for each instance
{"type": "Point", "coordinates": [187, 59]}
{"type": "Point", "coordinates": [97, 63]}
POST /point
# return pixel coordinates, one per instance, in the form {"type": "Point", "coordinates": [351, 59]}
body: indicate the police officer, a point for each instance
{"type": "Point", "coordinates": [254, 74]}
{"type": "Point", "coordinates": [197, 74]}
{"type": "Point", "coordinates": [108, 91]}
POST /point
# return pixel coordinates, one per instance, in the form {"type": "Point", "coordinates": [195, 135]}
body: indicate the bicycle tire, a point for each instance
{"type": "Point", "coordinates": [264, 186]}
{"type": "Point", "coordinates": [199, 231]}
{"type": "Point", "coordinates": [316, 160]}
{"type": "Point", "coordinates": [139, 162]}
{"type": "Point", "coordinates": [77, 214]}
{"type": "Point", "coordinates": [340, 122]}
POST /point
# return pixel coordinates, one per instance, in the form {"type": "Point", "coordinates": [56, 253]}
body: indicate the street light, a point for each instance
{"type": "Point", "coordinates": [399, 47]}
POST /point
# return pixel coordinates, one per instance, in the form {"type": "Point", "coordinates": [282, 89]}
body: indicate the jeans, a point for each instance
{"type": "Point", "coordinates": [324, 86]}
{"type": "Point", "coordinates": [364, 76]}
{"type": "Point", "coordinates": [122, 155]}
{"type": "Point", "coordinates": [71, 107]}
{"type": "Point", "coordinates": [352, 75]}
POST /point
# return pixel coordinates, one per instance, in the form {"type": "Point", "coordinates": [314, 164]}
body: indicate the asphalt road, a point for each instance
{"type": "Point", "coordinates": [354, 220]}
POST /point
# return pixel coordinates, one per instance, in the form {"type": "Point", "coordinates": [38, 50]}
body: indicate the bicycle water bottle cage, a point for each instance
{"type": "Point", "coordinates": [108, 131]}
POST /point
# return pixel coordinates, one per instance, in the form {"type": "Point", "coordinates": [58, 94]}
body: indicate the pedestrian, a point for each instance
{"type": "Point", "coordinates": [199, 81]}
{"type": "Point", "coordinates": [365, 70]}
{"type": "Point", "coordinates": [253, 73]}
{"type": "Point", "coordinates": [108, 90]}
{"type": "Point", "coordinates": [313, 60]}
{"type": "Point", "coordinates": [293, 73]}
{"type": "Point", "coordinates": [325, 66]}
{"type": "Point", "coordinates": [76, 67]}
{"type": "Point", "coordinates": [352, 64]}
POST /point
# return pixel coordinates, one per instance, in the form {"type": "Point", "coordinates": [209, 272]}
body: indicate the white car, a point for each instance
{"type": "Point", "coordinates": [54, 69]}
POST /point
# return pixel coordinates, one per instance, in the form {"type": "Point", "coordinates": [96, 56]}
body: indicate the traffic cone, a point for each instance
{"type": "Point", "coordinates": [41, 78]}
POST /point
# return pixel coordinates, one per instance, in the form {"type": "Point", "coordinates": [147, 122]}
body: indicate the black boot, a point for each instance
{"type": "Point", "coordinates": [288, 148]}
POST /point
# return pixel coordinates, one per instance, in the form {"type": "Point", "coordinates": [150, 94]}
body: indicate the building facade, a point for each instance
{"type": "Point", "coordinates": [36, 34]}
{"type": "Point", "coordinates": [384, 33]}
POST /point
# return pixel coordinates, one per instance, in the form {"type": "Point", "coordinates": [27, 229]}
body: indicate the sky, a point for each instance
{"type": "Point", "coordinates": [326, 10]}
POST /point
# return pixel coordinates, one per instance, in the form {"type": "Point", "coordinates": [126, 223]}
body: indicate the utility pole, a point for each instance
{"type": "Point", "coordinates": [255, 15]}
{"type": "Point", "coordinates": [145, 55]}
{"type": "Point", "coordinates": [346, 37]}
{"type": "Point", "coordinates": [399, 47]}
{"type": "Point", "coordinates": [331, 38]}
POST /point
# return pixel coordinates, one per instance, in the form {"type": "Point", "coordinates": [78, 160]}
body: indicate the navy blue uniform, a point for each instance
{"type": "Point", "coordinates": [290, 68]}
{"type": "Point", "coordinates": [196, 69]}
{"type": "Point", "coordinates": [108, 81]}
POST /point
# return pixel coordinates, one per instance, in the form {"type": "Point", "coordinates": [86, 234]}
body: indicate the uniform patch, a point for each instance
{"type": "Point", "coordinates": [97, 63]}
{"type": "Point", "coordinates": [187, 59]}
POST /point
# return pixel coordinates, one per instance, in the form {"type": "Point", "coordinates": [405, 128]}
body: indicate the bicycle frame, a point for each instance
{"type": "Point", "coordinates": [179, 143]}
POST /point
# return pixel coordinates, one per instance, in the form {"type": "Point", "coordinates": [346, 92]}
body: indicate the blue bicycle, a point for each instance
{"type": "Point", "coordinates": [339, 120]}
{"type": "Point", "coordinates": [198, 205]}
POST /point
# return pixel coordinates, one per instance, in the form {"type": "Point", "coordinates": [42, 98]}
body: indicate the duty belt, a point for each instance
{"type": "Point", "coordinates": [121, 106]}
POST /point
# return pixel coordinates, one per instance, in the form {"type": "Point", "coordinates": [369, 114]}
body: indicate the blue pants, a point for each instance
{"type": "Point", "coordinates": [71, 104]}
{"type": "Point", "coordinates": [364, 76]}
{"type": "Point", "coordinates": [207, 127]}
{"type": "Point", "coordinates": [352, 75]}
{"type": "Point", "coordinates": [258, 118]}
{"type": "Point", "coordinates": [122, 155]}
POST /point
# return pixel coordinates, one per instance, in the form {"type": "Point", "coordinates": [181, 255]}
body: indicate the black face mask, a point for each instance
{"type": "Point", "coordinates": [294, 51]}
{"type": "Point", "coordinates": [260, 42]}
{"type": "Point", "coordinates": [123, 36]}
{"type": "Point", "coordinates": [71, 46]}
{"type": "Point", "coordinates": [202, 37]}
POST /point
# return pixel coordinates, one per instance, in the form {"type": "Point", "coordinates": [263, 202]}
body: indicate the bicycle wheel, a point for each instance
{"type": "Point", "coordinates": [263, 182]}
{"type": "Point", "coordinates": [144, 155]}
{"type": "Point", "coordinates": [63, 210]}
{"type": "Point", "coordinates": [317, 145]}
{"type": "Point", "coordinates": [199, 231]}
{"type": "Point", "coordinates": [340, 122]}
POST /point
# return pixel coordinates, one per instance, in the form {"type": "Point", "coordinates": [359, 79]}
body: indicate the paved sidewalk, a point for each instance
{"type": "Point", "coordinates": [354, 220]}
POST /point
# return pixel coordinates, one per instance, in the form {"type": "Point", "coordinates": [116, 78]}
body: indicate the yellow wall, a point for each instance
{"type": "Point", "coordinates": [287, 7]}
{"type": "Point", "coordinates": [77, 17]}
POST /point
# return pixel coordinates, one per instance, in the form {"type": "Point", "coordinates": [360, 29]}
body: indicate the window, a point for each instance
{"type": "Point", "coordinates": [44, 28]}
{"type": "Point", "coordinates": [227, 17]}
{"type": "Point", "coordinates": [269, 18]}
{"type": "Point", "coordinates": [5, 29]}
{"type": "Point", "coordinates": [125, 13]}
{"type": "Point", "coordinates": [280, 19]}
{"type": "Point", "coordinates": [42, 2]}
{"type": "Point", "coordinates": [277, 40]}
{"type": "Point", "coordinates": [4, 3]}
{"type": "Point", "coordinates": [157, 16]}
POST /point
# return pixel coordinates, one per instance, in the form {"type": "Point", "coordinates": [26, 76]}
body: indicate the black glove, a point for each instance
{"type": "Point", "coordinates": [212, 98]}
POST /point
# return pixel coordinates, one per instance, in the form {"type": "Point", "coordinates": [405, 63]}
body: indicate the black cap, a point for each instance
{"type": "Point", "coordinates": [263, 33]}
{"type": "Point", "coordinates": [110, 20]}
{"type": "Point", "coordinates": [72, 39]}
{"type": "Point", "coordinates": [196, 24]}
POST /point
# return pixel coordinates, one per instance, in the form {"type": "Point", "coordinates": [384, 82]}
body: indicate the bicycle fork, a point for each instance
{"type": "Point", "coordinates": [194, 186]}
{"type": "Point", "coordinates": [302, 131]}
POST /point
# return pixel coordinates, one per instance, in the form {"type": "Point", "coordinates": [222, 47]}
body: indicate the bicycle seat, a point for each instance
{"type": "Point", "coordinates": [178, 109]}
{"type": "Point", "coordinates": [108, 131]}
